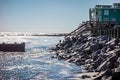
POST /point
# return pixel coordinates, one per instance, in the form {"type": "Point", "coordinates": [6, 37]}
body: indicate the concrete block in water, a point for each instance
{"type": "Point", "coordinates": [12, 47]}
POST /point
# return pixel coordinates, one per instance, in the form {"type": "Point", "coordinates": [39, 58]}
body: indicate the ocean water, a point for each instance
{"type": "Point", "coordinates": [36, 63]}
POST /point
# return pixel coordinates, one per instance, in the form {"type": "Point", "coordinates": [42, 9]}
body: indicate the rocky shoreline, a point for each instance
{"type": "Point", "coordinates": [96, 54]}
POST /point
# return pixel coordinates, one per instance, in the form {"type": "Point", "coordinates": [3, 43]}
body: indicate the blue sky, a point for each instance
{"type": "Point", "coordinates": [46, 16]}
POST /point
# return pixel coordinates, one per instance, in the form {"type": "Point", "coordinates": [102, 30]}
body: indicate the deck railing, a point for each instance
{"type": "Point", "coordinates": [115, 33]}
{"type": "Point", "coordinates": [102, 28]}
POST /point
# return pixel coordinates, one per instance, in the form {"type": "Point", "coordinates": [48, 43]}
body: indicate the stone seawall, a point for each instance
{"type": "Point", "coordinates": [12, 47]}
{"type": "Point", "coordinates": [97, 54]}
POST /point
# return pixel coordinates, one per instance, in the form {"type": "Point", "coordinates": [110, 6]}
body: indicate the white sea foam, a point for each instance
{"type": "Point", "coordinates": [35, 63]}
{"type": "Point", "coordinates": [12, 39]}
{"type": "Point", "coordinates": [64, 72]}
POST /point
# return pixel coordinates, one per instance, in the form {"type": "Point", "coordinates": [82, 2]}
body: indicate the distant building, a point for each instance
{"type": "Point", "coordinates": [104, 13]}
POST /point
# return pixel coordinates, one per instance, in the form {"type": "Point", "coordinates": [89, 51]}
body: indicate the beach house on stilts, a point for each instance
{"type": "Point", "coordinates": [102, 13]}
{"type": "Point", "coordinates": [104, 20]}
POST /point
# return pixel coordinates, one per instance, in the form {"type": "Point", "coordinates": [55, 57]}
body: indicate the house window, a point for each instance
{"type": "Point", "coordinates": [113, 19]}
{"type": "Point", "coordinates": [106, 19]}
{"type": "Point", "coordinates": [106, 12]}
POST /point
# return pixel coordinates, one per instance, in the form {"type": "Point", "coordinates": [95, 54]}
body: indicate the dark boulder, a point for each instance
{"type": "Point", "coordinates": [116, 41]}
{"type": "Point", "coordinates": [103, 66]}
{"type": "Point", "coordinates": [85, 76]}
{"type": "Point", "coordinates": [104, 38]}
{"type": "Point", "coordinates": [94, 47]}
{"type": "Point", "coordinates": [87, 51]}
{"type": "Point", "coordinates": [98, 62]}
{"type": "Point", "coordinates": [116, 76]}
{"type": "Point", "coordinates": [104, 74]}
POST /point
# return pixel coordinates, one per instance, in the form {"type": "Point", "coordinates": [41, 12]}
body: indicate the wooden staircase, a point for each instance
{"type": "Point", "coordinates": [85, 26]}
